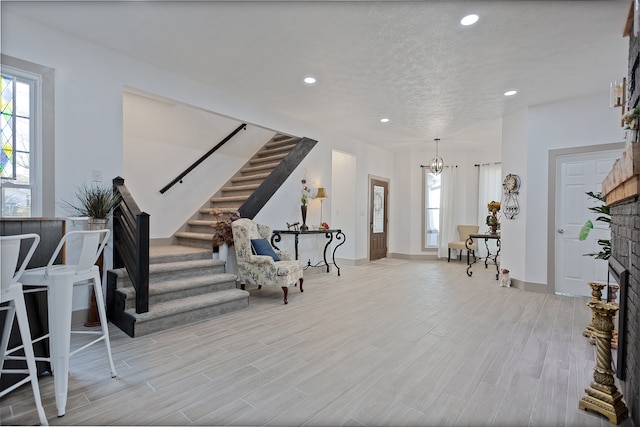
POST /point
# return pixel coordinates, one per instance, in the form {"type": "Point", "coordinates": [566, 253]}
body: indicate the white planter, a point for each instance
{"type": "Point", "coordinates": [231, 266]}
{"type": "Point", "coordinates": [223, 252]}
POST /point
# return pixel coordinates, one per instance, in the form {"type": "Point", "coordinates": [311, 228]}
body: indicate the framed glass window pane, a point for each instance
{"type": "Point", "coordinates": [378, 209]}
{"type": "Point", "coordinates": [23, 103]}
{"type": "Point", "coordinates": [432, 209]}
{"type": "Point", "coordinates": [23, 133]}
{"type": "Point", "coordinates": [22, 169]}
{"type": "Point", "coordinates": [16, 201]}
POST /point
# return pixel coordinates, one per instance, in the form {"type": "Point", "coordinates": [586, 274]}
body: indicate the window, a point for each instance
{"type": "Point", "coordinates": [16, 140]}
{"type": "Point", "coordinates": [26, 139]}
{"type": "Point", "coordinates": [432, 209]}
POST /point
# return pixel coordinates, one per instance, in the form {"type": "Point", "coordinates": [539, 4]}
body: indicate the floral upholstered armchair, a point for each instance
{"type": "Point", "coordinates": [258, 263]}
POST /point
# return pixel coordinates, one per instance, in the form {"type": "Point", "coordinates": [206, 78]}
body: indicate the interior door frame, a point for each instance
{"type": "Point", "coordinates": [551, 201]}
{"type": "Point", "coordinates": [387, 181]}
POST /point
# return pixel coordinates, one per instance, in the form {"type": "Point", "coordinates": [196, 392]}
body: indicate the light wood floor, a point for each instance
{"type": "Point", "coordinates": [393, 342]}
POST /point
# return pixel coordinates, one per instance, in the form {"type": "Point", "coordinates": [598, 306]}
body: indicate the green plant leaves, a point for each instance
{"type": "Point", "coordinates": [584, 231]}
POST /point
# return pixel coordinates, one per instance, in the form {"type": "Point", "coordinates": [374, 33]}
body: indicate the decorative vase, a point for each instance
{"type": "Point", "coordinates": [97, 223]}
{"type": "Point", "coordinates": [492, 222]}
{"type": "Point", "coordinates": [303, 210]}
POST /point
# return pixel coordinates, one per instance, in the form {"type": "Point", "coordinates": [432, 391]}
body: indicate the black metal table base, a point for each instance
{"type": "Point", "coordinates": [489, 257]}
{"type": "Point", "coordinates": [330, 234]}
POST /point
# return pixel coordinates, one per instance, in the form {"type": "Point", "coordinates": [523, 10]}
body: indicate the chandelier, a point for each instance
{"type": "Point", "coordinates": [436, 165]}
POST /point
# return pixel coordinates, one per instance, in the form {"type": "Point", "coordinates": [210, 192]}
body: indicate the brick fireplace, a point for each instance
{"type": "Point", "coordinates": [622, 189]}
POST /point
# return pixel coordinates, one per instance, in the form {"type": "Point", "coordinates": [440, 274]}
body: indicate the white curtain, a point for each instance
{"type": "Point", "coordinates": [489, 189]}
{"type": "Point", "coordinates": [448, 221]}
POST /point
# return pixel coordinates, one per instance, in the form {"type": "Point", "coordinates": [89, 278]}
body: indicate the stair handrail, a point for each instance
{"type": "Point", "coordinates": [202, 158]}
{"type": "Point", "coordinates": [131, 243]}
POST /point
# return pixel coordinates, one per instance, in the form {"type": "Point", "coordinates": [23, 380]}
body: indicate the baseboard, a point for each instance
{"type": "Point", "coordinates": [530, 286]}
{"type": "Point", "coordinates": [351, 262]}
{"type": "Point", "coordinates": [414, 257]}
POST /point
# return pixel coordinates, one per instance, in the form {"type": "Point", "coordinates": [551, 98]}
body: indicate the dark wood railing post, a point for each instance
{"type": "Point", "coordinates": [142, 262]}
{"type": "Point", "coordinates": [131, 244]}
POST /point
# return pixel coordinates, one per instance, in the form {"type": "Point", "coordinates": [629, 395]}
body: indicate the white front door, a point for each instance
{"type": "Point", "coordinates": [576, 175]}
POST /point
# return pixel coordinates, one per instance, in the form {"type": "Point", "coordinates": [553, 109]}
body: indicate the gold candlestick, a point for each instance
{"type": "Point", "coordinates": [596, 295]}
{"type": "Point", "coordinates": [602, 395]}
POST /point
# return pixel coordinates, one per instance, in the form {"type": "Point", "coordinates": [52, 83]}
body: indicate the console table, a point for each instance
{"type": "Point", "coordinates": [329, 234]}
{"type": "Point", "coordinates": [489, 257]}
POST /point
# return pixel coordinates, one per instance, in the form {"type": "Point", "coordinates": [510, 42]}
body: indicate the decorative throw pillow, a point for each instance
{"type": "Point", "coordinates": [263, 247]}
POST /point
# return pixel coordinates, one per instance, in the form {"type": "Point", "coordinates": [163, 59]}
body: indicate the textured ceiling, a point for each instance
{"type": "Point", "coordinates": [410, 61]}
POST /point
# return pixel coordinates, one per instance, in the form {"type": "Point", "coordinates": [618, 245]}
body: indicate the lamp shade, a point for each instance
{"type": "Point", "coordinates": [322, 193]}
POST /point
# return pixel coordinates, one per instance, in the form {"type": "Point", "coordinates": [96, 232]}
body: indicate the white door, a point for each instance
{"type": "Point", "coordinates": [576, 175]}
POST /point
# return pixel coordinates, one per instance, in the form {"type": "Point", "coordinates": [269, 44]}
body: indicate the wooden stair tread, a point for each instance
{"type": "Point", "coordinates": [192, 235]}
{"type": "Point", "coordinates": [243, 187]}
{"type": "Point", "coordinates": [229, 199]}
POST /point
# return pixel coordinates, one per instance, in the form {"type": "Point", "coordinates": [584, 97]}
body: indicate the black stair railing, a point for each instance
{"type": "Point", "coordinates": [202, 159]}
{"type": "Point", "coordinates": [131, 243]}
{"type": "Point", "coordinates": [276, 178]}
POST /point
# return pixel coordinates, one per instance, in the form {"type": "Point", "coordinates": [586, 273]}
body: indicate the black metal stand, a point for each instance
{"type": "Point", "coordinates": [489, 257]}
{"type": "Point", "coordinates": [329, 234]}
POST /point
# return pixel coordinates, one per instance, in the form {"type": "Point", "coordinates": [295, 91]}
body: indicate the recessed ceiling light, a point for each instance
{"type": "Point", "coordinates": [309, 80]}
{"type": "Point", "coordinates": [384, 120]}
{"type": "Point", "coordinates": [469, 20]}
{"type": "Point", "coordinates": [510, 92]}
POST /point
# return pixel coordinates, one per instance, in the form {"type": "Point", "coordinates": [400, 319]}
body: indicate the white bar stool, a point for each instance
{"type": "Point", "coordinates": [11, 292]}
{"type": "Point", "coordinates": [60, 280]}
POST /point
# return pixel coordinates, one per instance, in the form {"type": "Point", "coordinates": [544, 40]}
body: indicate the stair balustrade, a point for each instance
{"type": "Point", "coordinates": [131, 245]}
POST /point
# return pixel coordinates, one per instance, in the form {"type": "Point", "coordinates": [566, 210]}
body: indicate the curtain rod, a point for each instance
{"type": "Point", "coordinates": [426, 166]}
{"type": "Point", "coordinates": [487, 164]}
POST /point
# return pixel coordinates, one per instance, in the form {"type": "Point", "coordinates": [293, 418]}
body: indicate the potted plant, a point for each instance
{"type": "Point", "coordinates": [94, 201]}
{"type": "Point", "coordinates": [605, 216]}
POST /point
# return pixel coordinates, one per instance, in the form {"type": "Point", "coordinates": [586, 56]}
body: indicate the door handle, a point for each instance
{"type": "Point", "coordinates": [560, 231]}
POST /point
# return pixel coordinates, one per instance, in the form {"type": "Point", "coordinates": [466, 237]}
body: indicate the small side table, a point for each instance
{"type": "Point", "coordinates": [489, 257]}
{"type": "Point", "coordinates": [330, 234]}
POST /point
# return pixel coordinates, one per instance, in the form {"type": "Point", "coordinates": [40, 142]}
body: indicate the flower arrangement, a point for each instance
{"type": "Point", "coordinates": [630, 119]}
{"type": "Point", "coordinates": [323, 226]}
{"type": "Point", "coordinates": [223, 232]}
{"type": "Point", "coordinates": [306, 193]}
{"type": "Point", "coordinates": [492, 220]}
{"type": "Point", "coordinates": [493, 207]}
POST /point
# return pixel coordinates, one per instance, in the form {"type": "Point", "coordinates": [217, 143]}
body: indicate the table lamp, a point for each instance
{"type": "Point", "coordinates": [321, 194]}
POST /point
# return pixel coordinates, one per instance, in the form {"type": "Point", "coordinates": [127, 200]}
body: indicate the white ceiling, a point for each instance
{"type": "Point", "coordinates": [410, 61]}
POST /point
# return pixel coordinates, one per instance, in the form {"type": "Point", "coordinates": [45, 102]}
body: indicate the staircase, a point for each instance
{"type": "Point", "coordinates": [199, 230]}
{"type": "Point", "coordinates": [185, 283]}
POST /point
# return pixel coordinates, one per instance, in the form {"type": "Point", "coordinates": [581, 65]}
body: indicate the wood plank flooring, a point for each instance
{"type": "Point", "coordinates": [393, 343]}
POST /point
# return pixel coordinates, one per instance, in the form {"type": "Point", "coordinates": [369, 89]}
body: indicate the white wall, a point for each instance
{"type": "Point", "coordinates": [89, 86]}
{"type": "Point", "coordinates": [513, 231]}
{"type": "Point", "coordinates": [407, 200]}
{"type": "Point", "coordinates": [570, 123]}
